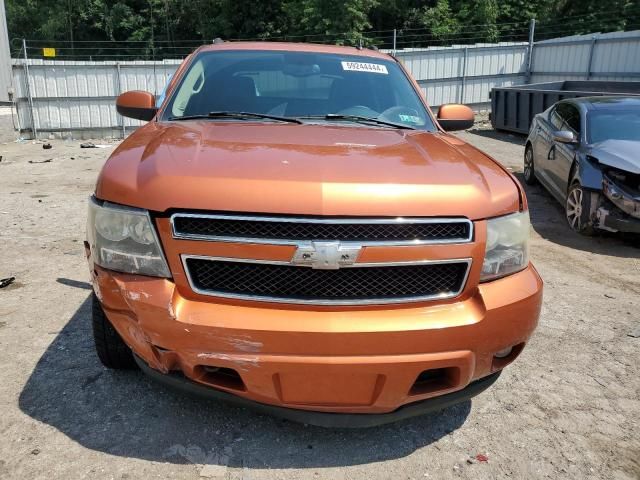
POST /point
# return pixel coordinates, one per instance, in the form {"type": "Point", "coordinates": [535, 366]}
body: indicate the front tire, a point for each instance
{"type": "Point", "coordinates": [529, 169]}
{"type": "Point", "coordinates": [578, 210]}
{"type": "Point", "coordinates": [111, 349]}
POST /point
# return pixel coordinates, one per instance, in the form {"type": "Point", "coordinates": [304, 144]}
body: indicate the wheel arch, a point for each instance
{"type": "Point", "coordinates": [587, 171]}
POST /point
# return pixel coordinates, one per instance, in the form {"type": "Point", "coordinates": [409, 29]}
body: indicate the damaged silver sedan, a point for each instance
{"type": "Point", "coordinates": [586, 153]}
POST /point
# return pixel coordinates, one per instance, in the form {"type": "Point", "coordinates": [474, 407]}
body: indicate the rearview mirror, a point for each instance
{"type": "Point", "coordinates": [564, 136]}
{"type": "Point", "coordinates": [137, 104]}
{"type": "Point", "coordinates": [453, 117]}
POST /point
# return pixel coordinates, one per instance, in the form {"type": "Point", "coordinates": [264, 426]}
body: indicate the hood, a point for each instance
{"type": "Point", "coordinates": [620, 154]}
{"type": "Point", "coordinates": [304, 169]}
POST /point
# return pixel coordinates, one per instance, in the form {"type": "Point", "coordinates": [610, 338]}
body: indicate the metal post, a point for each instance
{"type": "Point", "coordinates": [532, 31]}
{"type": "Point", "coordinates": [464, 74]}
{"type": "Point", "coordinates": [6, 73]}
{"type": "Point", "coordinates": [28, 87]}
{"type": "Point", "coordinates": [119, 88]}
{"type": "Point", "coordinates": [395, 37]}
{"type": "Point", "coordinates": [594, 39]}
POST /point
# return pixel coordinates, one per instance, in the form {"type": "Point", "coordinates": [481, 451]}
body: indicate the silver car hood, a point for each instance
{"type": "Point", "coordinates": [621, 154]}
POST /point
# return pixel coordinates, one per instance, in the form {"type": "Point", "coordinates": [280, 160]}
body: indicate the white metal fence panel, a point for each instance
{"type": "Point", "coordinates": [465, 74]}
{"type": "Point", "coordinates": [609, 56]}
{"type": "Point", "coordinates": [68, 97]}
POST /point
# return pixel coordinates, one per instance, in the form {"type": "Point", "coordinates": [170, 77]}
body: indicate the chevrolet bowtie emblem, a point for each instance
{"type": "Point", "coordinates": [326, 255]}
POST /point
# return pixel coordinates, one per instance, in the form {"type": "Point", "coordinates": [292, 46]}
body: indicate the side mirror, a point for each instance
{"type": "Point", "coordinates": [564, 136]}
{"type": "Point", "coordinates": [453, 117]}
{"type": "Point", "coordinates": [137, 104]}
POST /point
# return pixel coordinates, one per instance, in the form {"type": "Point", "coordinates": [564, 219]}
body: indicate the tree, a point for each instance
{"type": "Point", "coordinates": [343, 21]}
{"type": "Point", "coordinates": [143, 28]}
{"type": "Point", "coordinates": [479, 19]}
{"type": "Point", "coordinates": [589, 16]}
{"type": "Point", "coordinates": [439, 20]}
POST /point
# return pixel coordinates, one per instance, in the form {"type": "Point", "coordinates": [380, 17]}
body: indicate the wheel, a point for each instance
{"type": "Point", "coordinates": [111, 349]}
{"type": "Point", "coordinates": [578, 210]}
{"type": "Point", "coordinates": [529, 171]}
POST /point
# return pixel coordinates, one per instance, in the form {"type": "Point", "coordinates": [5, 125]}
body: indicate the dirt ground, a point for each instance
{"type": "Point", "coordinates": [568, 408]}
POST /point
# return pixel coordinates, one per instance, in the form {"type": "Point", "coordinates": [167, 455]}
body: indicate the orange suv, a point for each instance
{"type": "Point", "coordinates": [294, 230]}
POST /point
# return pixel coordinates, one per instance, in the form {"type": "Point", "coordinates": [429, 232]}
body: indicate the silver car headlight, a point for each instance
{"type": "Point", "coordinates": [123, 239]}
{"type": "Point", "coordinates": [507, 249]}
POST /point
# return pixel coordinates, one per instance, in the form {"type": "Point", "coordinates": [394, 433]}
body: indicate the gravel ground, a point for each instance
{"type": "Point", "coordinates": [568, 408]}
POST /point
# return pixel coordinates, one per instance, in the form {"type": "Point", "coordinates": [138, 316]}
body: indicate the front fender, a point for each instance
{"type": "Point", "coordinates": [588, 172]}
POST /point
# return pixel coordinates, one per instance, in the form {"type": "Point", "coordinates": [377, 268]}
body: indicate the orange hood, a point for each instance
{"type": "Point", "coordinates": [306, 170]}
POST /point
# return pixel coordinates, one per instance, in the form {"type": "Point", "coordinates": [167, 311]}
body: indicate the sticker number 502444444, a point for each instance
{"type": "Point", "coordinates": [364, 67]}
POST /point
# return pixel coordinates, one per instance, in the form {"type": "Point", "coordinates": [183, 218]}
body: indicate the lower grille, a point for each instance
{"type": "Point", "coordinates": [354, 285]}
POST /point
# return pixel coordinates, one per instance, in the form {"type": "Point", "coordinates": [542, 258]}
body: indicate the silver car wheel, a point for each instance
{"type": "Point", "coordinates": [528, 164]}
{"type": "Point", "coordinates": [574, 209]}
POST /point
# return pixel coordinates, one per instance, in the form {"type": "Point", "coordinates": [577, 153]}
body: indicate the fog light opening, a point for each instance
{"type": "Point", "coordinates": [503, 353]}
{"type": "Point", "coordinates": [219, 377]}
{"type": "Point", "coordinates": [504, 357]}
{"type": "Point", "coordinates": [434, 380]}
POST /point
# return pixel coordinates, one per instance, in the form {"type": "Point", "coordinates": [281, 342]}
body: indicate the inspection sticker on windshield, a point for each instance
{"type": "Point", "coordinates": [364, 67]}
{"type": "Point", "coordinates": [410, 119]}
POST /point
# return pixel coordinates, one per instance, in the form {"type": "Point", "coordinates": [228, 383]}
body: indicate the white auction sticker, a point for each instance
{"type": "Point", "coordinates": [364, 67]}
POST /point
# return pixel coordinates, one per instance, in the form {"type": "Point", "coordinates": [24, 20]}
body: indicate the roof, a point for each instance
{"type": "Point", "coordinates": [296, 47]}
{"type": "Point", "coordinates": [608, 102]}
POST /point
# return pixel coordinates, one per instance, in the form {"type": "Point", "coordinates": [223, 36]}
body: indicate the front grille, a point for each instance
{"type": "Point", "coordinates": [354, 285]}
{"type": "Point", "coordinates": [288, 230]}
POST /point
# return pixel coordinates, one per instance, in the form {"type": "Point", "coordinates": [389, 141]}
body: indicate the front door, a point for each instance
{"type": "Point", "coordinates": [560, 156]}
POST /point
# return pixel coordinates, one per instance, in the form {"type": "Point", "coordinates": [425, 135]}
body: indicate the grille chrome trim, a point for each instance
{"type": "Point", "coordinates": [367, 301]}
{"type": "Point", "coordinates": [346, 221]}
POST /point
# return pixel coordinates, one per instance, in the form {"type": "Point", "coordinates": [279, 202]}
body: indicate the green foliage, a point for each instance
{"type": "Point", "coordinates": [589, 16]}
{"type": "Point", "coordinates": [439, 20]}
{"type": "Point", "coordinates": [481, 18]}
{"type": "Point", "coordinates": [326, 18]}
{"type": "Point", "coordinates": [161, 25]}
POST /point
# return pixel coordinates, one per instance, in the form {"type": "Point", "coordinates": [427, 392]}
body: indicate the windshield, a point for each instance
{"type": "Point", "coordinates": [613, 125]}
{"type": "Point", "coordinates": [298, 85]}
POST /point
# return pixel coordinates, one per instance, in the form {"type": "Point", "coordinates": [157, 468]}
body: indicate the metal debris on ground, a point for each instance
{"type": "Point", "coordinates": [47, 146]}
{"type": "Point", "coordinates": [94, 145]}
{"type": "Point", "coordinates": [5, 282]}
{"type": "Point", "coordinates": [48, 160]}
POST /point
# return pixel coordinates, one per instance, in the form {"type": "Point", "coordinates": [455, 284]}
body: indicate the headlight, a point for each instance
{"type": "Point", "coordinates": [124, 239]}
{"type": "Point", "coordinates": [507, 249]}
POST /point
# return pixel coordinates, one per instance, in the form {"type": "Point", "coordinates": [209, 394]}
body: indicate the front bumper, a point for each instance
{"type": "Point", "coordinates": [324, 419]}
{"type": "Point", "coordinates": [339, 360]}
{"type": "Point", "coordinates": [615, 220]}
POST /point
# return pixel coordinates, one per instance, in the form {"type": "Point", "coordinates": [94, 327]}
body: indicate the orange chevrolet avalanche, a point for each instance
{"type": "Point", "coordinates": [294, 230]}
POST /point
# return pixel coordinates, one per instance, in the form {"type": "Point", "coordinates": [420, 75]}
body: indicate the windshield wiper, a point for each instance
{"type": "Point", "coordinates": [358, 119]}
{"type": "Point", "coordinates": [239, 115]}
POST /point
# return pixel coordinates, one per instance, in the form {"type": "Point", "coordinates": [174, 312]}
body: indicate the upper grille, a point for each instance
{"type": "Point", "coordinates": [290, 230]}
{"type": "Point", "coordinates": [354, 285]}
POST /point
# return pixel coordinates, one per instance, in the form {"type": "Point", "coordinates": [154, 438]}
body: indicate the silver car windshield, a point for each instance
{"type": "Point", "coordinates": [313, 87]}
{"type": "Point", "coordinates": [613, 125]}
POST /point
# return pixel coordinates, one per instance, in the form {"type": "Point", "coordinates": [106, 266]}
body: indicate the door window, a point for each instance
{"type": "Point", "coordinates": [567, 117]}
{"type": "Point", "coordinates": [555, 118]}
